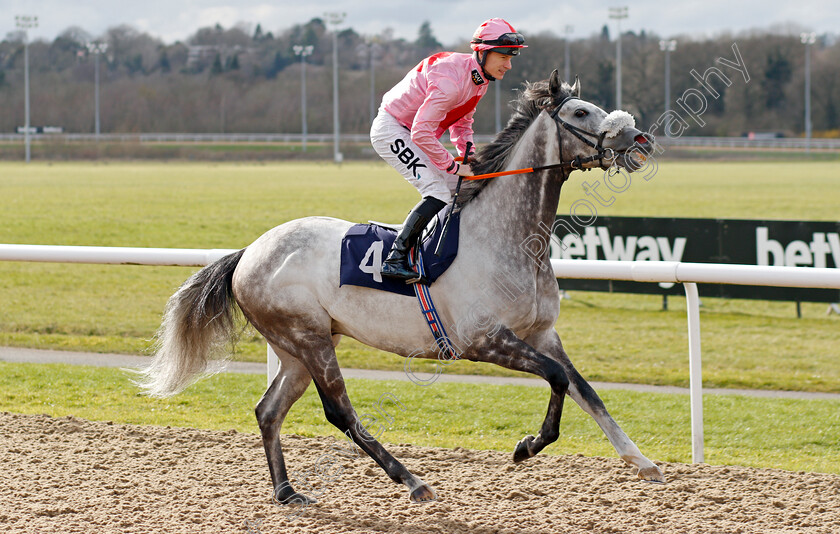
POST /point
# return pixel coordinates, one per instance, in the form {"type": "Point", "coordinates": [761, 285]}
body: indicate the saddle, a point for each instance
{"type": "Point", "coordinates": [365, 246]}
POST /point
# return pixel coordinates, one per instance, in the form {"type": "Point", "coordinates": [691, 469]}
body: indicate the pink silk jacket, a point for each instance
{"type": "Point", "coordinates": [440, 94]}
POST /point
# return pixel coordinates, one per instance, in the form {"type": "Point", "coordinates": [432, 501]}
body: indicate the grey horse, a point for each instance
{"type": "Point", "coordinates": [499, 303]}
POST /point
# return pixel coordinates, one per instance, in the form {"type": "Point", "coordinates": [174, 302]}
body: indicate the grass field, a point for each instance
{"type": "Point", "coordinates": [624, 338]}
{"type": "Point", "coordinates": [798, 435]}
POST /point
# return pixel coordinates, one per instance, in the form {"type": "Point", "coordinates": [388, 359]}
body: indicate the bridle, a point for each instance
{"type": "Point", "coordinates": [577, 162]}
{"type": "Point", "coordinates": [573, 164]}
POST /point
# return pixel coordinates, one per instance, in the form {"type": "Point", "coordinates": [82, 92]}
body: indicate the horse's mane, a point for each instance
{"type": "Point", "coordinates": [529, 102]}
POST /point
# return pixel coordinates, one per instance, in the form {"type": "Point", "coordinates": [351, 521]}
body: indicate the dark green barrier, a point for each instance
{"type": "Point", "coordinates": [741, 241]}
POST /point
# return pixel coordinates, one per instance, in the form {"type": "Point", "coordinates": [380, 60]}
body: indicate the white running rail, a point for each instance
{"type": "Point", "coordinates": [688, 274]}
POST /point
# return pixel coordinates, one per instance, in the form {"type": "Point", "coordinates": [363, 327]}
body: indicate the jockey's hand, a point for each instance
{"type": "Point", "coordinates": [464, 170]}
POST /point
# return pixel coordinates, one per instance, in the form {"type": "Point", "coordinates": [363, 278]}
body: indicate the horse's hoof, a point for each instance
{"type": "Point", "coordinates": [293, 498]}
{"type": "Point", "coordinates": [651, 474]}
{"type": "Point", "coordinates": [523, 449]}
{"type": "Point", "coordinates": [423, 493]}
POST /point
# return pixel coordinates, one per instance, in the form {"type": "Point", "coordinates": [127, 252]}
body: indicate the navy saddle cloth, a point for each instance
{"type": "Point", "coordinates": [365, 246]}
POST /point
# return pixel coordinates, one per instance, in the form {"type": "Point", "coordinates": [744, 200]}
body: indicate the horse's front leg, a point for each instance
{"type": "Point", "coordinates": [582, 393]}
{"type": "Point", "coordinates": [507, 350]}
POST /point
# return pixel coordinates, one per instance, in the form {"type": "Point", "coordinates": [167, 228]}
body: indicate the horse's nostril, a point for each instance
{"type": "Point", "coordinates": [641, 139]}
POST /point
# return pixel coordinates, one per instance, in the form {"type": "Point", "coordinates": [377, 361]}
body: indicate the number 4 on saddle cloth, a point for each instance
{"type": "Point", "coordinates": [363, 248]}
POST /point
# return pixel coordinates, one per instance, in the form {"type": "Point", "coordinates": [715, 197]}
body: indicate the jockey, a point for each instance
{"type": "Point", "coordinates": [440, 94]}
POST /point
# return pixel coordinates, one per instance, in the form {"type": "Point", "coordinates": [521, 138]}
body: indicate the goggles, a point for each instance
{"type": "Point", "coordinates": [515, 40]}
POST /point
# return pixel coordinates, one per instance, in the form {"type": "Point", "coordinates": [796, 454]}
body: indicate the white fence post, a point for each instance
{"type": "Point", "coordinates": [273, 365]}
{"type": "Point", "coordinates": [695, 371]}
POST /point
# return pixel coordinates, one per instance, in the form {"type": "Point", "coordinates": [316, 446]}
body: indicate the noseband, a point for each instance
{"type": "Point", "coordinates": [578, 161]}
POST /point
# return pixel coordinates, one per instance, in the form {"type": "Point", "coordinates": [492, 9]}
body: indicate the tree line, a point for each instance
{"type": "Point", "coordinates": [245, 79]}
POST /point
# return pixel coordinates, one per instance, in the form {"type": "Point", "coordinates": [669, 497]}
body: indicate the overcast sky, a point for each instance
{"type": "Point", "coordinates": [452, 21]}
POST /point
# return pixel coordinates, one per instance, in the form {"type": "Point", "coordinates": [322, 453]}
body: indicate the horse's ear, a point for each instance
{"type": "Point", "coordinates": [554, 83]}
{"type": "Point", "coordinates": [576, 87]}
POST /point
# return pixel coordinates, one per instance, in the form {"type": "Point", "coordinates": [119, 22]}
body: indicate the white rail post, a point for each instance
{"type": "Point", "coordinates": [273, 365]}
{"type": "Point", "coordinates": [695, 371]}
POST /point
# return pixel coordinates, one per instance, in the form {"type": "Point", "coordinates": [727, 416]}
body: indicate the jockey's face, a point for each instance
{"type": "Point", "coordinates": [496, 64]}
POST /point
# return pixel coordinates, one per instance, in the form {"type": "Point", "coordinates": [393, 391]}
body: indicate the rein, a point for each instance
{"type": "Point", "coordinates": [573, 164]}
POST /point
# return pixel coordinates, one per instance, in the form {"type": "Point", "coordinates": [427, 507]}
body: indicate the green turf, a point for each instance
{"type": "Point", "coordinates": [736, 190]}
{"type": "Point", "coordinates": [787, 434]}
{"type": "Point", "coordinates": [626, 338]}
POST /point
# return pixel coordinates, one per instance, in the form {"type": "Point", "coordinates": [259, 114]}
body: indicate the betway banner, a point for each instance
{"type": "Point", "coordinates": [749, 242]}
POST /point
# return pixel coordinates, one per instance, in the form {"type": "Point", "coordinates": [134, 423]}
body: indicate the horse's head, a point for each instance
{"type": "Point", "coordinates": [597, 139]}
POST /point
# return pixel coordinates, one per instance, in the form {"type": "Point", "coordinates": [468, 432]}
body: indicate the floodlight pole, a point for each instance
{"type": "Point", "coordinates": [303, 51]}
{"type": "Point", "coordinates": [567, 68]}
{"type": "Point", "coordinates": [373, 44]}
{"type": "Point", "coordinates": [335, 18]}
{"type": "Point", "coordinates": [25, 22]}
{"type": "Point", "coordinates": [96, 49]}
{"type": "Point", "coordinates": [808, 39]}
{"type": "Point", "coordinates": [618, 13]}
{"type": "Point", "coordinates": [667, 47]}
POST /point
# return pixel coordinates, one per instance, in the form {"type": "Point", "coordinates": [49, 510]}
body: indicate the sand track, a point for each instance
{"type": "Point", "coordinates": [72, 475]}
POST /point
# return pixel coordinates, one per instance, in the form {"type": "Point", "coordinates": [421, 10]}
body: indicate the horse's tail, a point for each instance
{"type": "Point", "coordinates": [198, 323]}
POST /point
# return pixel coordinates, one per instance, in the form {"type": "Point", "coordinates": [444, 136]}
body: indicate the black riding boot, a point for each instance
{"type": "Point", "coordinates": [396, 265]}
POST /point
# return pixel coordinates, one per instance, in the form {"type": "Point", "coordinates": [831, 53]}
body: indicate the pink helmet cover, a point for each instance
{"type": "Point", "coordinates": [497, 33]}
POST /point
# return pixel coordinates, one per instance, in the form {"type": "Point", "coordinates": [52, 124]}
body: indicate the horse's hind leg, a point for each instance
{"type": "Point", "coordinates": [582, 393]}
{"type": "Point", "coordinates": [322, 364]}
{"type": "Point", "coordinates": [287, 387]}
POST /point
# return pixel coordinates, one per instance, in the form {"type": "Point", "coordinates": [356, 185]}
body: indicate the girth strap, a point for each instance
{"type": "Point", "coordinates": [427, 306]}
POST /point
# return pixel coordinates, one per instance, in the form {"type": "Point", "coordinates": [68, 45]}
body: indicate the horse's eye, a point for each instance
{"type": "Point", "coordinates": [581, 113]}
